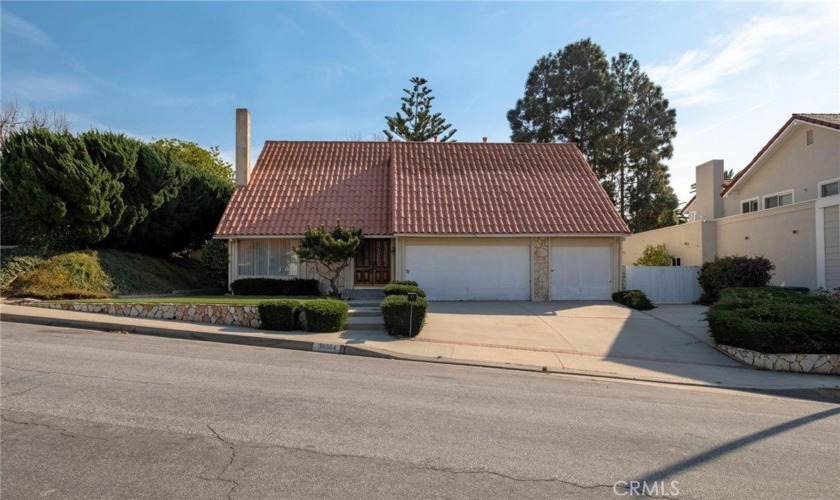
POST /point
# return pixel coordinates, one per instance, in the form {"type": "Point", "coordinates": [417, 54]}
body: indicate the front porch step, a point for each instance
{"type": "Point", "coordinates": [363, 303]}
{"type": "Point", "coordinates": [360, 311]}
{"type": "Point", "coordinates": [365, 294]}
{"type": "Point", "coordinates": [373, 323]}
{"type": "Point", "coordinates": [364, 320]}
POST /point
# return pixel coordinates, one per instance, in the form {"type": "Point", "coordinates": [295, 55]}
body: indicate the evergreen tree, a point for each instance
{"type": "Point", "coordinates": [189, 152]}
{"type": "Point", "coordinates": [616, 115]}
{"type": "Point", "coordinates": [54, 184]}
{"type": "Point", "coordinates": [416, 122]}
{"type": "Point", "coordinates": [105, 189]}
{"type": "Point", "coordinates": [567, 99]}
{"type": "Point", "coordinates": [641, 140]}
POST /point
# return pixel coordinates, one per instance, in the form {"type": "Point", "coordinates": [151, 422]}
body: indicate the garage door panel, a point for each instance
{"type": "Point", "coordinates": [471, 272]}
{"type": "Point", "coordinates": [581, 272]}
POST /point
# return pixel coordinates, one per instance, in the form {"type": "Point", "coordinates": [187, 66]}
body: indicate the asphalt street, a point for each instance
{"type": "Point", "coordinates": [89, 414]}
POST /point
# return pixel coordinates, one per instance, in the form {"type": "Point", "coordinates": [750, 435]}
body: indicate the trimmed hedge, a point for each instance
{"type": "Point", "coordinates": [733, 271]}
{"type": "Point", "coordinates": [404, 282]}
{"type": "Point", "coordinates": [269, 286]}
{"type": "Point", "coordinates": [634, 299]}
{"type": "Point", "coordinates": [774, 320]}
{"type": "Point", "coordinates": [324, 315]}
{"type": "Point", "coordinates": [397, 310]}
{"type": "Point", "coordinates": [397, 289]}
{"type": "Point", "coordinates": [279, 314]}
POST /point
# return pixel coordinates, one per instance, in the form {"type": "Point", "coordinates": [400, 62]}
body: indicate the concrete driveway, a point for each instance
{"type": "Point", "coordinates": [589, 336]}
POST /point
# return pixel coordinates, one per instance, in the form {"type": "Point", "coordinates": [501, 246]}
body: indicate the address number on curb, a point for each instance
{"type": "Point", "coordinates": [322, 347]}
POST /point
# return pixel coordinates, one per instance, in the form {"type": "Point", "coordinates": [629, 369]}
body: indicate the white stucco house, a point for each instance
{"type": "Point", "coordinates": [468, 221]}
{"type": "Point", "coordinates": [784, 205]}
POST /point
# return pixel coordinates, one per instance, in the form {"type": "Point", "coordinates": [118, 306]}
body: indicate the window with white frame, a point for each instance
{"type": "Point", "coordinates": [748, 206]}
{"type": "Point", "coordinates": [267, 258]}
{"type": "Point", "coordinates": [829, 188]}
{"type": "Point", "coordinates": [778, 199]}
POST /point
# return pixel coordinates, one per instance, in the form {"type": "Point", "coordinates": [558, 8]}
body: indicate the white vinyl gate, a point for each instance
{"type": "Point", "coordinates": [665, 284]}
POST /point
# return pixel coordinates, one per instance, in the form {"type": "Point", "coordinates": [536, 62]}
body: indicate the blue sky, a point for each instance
{"type": "Point", "coordinates": [734, 72]}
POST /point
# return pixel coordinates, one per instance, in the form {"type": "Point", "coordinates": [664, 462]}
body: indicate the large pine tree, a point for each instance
{"type": "Point", "coordinates": [415, 121]}
{"type": "Point", "coordinates": [616, 115]}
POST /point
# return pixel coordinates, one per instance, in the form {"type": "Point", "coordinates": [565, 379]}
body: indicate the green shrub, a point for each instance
{"type": "Point", "coordinates": [14, 261]}
{"type": "Point", "coordinates": [731, 272]}
{"type": "Point", "coordinates": [634, 299]}
{"type": "Point", "coordinates": [404, 282]}
{"type": "Point", "coordinates": [830, 299]}
{"type": "Point", "coordinates": [214, 259]}
{"type": "Point", "coordinates": [655, 255]}
{"type": "Point", "coordinates": [396, 289]}
{"type": "Point", "coordinates": [324, 315]}
{"type": "Point", "coordinates": [75, 275]}
{"type": "Point", "coordinates": [397, 311]}
{"type": "Point", "coordinates": [774, 320]}
{"type": "Point", "coordinates": [279, 314]}
{"type": "Point", "coordinates": [269, 286]}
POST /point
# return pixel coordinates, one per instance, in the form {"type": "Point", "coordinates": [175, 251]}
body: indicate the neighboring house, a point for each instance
{"type": "Point", "coordinates": [784, 205]}
{"type": "Point", "coordinates": [467, 221]}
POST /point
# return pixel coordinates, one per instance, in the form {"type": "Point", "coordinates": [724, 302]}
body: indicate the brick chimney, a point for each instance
{"type": "Point", "coordinates": [243, 146]}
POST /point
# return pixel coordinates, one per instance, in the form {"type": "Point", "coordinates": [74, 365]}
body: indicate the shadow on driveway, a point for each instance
{"type": "Point", "coordinates": [669, 344]}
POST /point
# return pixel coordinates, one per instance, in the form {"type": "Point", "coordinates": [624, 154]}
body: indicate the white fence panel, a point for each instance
{"type": "Point", "coordinates": [665, 284]}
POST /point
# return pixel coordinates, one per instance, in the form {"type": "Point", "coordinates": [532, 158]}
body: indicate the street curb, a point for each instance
{"type": "Point", "coordinates": [346, 349]}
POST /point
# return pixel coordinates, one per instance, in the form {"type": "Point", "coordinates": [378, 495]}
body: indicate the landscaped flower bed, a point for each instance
{"type": "Point", "coordinates": [778, 329]}
{"type": "Point", "coordinates": [323, 314]}
{"type": "Point", "coordinates": [217, 314]}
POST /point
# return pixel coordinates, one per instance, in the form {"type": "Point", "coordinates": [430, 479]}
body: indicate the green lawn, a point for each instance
{"type": "Point", "coordinates": [195, 299]}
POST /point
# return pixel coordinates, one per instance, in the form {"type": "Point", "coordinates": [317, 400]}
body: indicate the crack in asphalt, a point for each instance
{"type": "Point", "coordinates": [3, 396]}
{"type": "Point", "coordinates": [63, 432]}
{"type": "Point", "coordinates": [40, 372]}
{"type": "Point", "coordinates": [234, 484]}
{"type": "Point", "coordinates": [448, 470]}
{"type": "Point", "coordinates": [27, 377]}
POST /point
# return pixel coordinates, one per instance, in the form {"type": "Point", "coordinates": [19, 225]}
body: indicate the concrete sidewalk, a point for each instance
{"type": "Point", "coordinates": [707, 370]}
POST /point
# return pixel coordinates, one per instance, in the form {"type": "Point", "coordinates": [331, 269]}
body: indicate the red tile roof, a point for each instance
{"type": "Point", "coordinates": [421, 188]}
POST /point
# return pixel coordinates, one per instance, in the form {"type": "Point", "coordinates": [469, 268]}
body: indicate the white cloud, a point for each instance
{"type": "Point", "coordinates": [40, 88]}
{"type": "Point", "coordinates": [697, 75]}
{"type": "Point", "coordinates": [374, 50]}
{"type": "Point", "coordinates": [17, 26]}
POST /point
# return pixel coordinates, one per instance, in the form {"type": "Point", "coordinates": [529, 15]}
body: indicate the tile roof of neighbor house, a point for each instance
{"type": "Point", "coordinates": [421, 188]}
{"type": "Point", "coordinates": [830, 120]}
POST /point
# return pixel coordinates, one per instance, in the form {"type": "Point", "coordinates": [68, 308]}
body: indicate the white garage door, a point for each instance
{"type": "Point", "coordinates": [471, 272]}
{"type": "Point", "coordinates": [580, 271]}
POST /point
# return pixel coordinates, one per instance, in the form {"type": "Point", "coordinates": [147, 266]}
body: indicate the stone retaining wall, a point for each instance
{"type": "Point", "coordinates": [213, 314]}
{"type": "Point", "coordinates": [827, 364]}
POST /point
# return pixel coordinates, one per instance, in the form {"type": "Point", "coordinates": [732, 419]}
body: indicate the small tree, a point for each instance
{"type": "Point", "coordinates": [214, 259]}
{"type": "Point", "coordinates": [655, 255]}
{"type": "Point", "coordinates": [418, 124]}
{"type": "Point", "coordinates": [330, 250]}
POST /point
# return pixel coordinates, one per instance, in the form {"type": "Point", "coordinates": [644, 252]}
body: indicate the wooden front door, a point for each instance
{"type": "Point", "coordinates": [373, 262]}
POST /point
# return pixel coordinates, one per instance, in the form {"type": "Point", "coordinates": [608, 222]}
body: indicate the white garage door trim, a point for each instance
{"type": "Point", "coordinates": [471, 272]}
{"type": "Point", "coordinates": [581, 270]}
